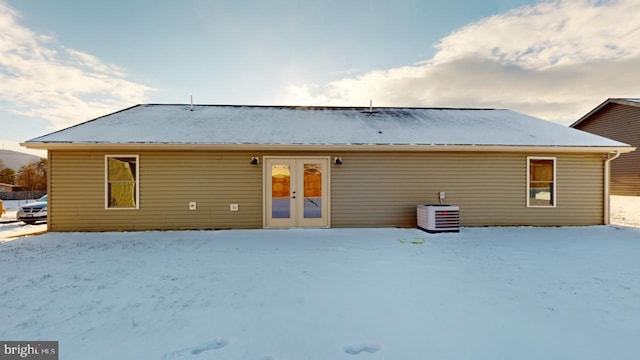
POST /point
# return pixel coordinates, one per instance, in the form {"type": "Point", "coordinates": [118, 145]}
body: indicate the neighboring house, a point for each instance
{"type": "Point", "coordinates": [618, 119]}
{"type": "Point", "coordinates": [281, 167]}
{"type": "Point", "coordinates": [6, 187]}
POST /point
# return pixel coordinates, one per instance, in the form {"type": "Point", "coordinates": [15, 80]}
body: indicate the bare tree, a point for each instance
{"type": "Point", "coordinates": [33, 176]}
{"type": "Point", "coordinates": [7, 175]}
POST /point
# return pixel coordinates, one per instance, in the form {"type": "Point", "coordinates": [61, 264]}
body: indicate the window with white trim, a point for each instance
{"type": "Point", "coordinates": [541, 181]}
{"type": "Point", "coordinates": [121, 181]}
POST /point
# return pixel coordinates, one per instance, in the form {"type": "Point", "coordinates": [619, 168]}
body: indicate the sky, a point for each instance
{"type": "Point", "coordinates": [67, 61]}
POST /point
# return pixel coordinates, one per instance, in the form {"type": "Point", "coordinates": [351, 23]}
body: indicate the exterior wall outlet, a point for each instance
{"type": "Point", "coordinates": [193, 205]}
{"type": "Point", "coordinates": [442, 195]}
{"type": "Point", "coordinates": [233, 207]}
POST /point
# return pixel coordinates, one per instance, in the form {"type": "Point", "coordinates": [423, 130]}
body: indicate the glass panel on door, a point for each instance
{"type": "Point", "coordinates": [312, 191]}
{"type": "Point", "coordinates": [296, 192]}
{"type": "Point", "coordinates": [280, 191]}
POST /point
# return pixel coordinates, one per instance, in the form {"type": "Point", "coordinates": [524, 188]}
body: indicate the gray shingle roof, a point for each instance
{"type": "Point", "coordinates": [273, 125]}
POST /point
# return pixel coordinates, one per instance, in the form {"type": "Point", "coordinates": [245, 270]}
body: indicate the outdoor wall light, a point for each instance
{"type": "Point", "coordinates": [255, 161]}
{"type": "Point", "coordinates": [337, 161]}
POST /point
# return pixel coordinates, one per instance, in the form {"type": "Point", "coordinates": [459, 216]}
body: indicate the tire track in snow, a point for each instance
{"type": "Point", "coordinates": [196, 350]}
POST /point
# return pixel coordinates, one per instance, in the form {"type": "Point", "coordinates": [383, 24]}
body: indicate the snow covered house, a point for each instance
{"type": "Point", "coordinates": [278, 166]}
{"type": "Point", "coordinates": [618, 119]}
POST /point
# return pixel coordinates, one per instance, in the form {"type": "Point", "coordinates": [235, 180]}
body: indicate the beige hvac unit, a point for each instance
{"type": "Point", "coordinates": [436, 218]}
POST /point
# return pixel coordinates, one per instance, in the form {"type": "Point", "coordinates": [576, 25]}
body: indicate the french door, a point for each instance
{"type": "Point", "coordinates": [296, 192]}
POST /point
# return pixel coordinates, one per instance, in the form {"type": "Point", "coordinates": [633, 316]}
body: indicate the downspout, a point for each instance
{"type": "Point", "coordinates": [607, 178]}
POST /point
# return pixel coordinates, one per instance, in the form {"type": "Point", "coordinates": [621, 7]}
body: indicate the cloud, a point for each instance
{"type": "Point", "coordinates": [64, 86]}
{"type": "Point", "coordinates": [556, 60]}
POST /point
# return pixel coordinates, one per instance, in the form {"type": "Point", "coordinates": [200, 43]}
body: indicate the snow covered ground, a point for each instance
{"type": "Point", "coordinates": [625, 210]}
{"type": "Point", "coordinates": [485, 293]}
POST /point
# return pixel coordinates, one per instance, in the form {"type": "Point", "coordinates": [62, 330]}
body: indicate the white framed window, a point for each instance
{"type": "Point", "coordinates": [541, 181]}
{"type": "Point", "coordinates": [122, 181]}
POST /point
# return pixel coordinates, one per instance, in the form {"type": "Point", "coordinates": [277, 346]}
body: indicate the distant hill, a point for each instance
{"type": "Point", "coordinates": [15, 160]}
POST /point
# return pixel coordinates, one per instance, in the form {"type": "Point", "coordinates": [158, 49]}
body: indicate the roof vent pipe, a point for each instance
{"type": "Point", "coordinates": [370, 106]}
{"type": "Point", "coordinates": [191, 103]}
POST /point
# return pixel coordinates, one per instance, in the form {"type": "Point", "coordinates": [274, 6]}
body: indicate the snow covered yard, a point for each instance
{"type": "Point", "coordinates": [625, 210]}
{"type": "Point", "coordinates": [485, 293]}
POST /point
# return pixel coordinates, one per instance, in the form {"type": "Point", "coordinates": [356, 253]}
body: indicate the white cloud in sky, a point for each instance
{"type": "Point", "coordinates": [64, 86]}
{"type": "Point", "coordinates": [556, 60]}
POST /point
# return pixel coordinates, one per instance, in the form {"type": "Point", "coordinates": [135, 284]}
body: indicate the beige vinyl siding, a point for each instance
{"type": "Point", "coordinates": [168, 182]}
{"type": "Point", "coordinates": [381, 190]}
{"type": "Point", "coordinates": [370, 189]}
{"type": "Point", "coordinates": [622, 123]}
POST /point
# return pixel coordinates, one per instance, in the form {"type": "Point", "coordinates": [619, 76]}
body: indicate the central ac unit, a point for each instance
{"type": "Point", "coordinates": [438, 218]}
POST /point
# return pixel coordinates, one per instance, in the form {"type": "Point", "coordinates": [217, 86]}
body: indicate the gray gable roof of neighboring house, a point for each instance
{"type": "Point", "coordinates": [622, 101]}
{"type": "Point", "coordinates": [320, 126]}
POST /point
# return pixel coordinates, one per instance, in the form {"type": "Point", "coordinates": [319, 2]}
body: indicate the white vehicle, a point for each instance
{"type": "Point", "coordinates": [32, 212]}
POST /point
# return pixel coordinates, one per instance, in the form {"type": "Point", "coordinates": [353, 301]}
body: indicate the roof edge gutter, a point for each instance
{"type": "Point", "coordinates": [327, 147]}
